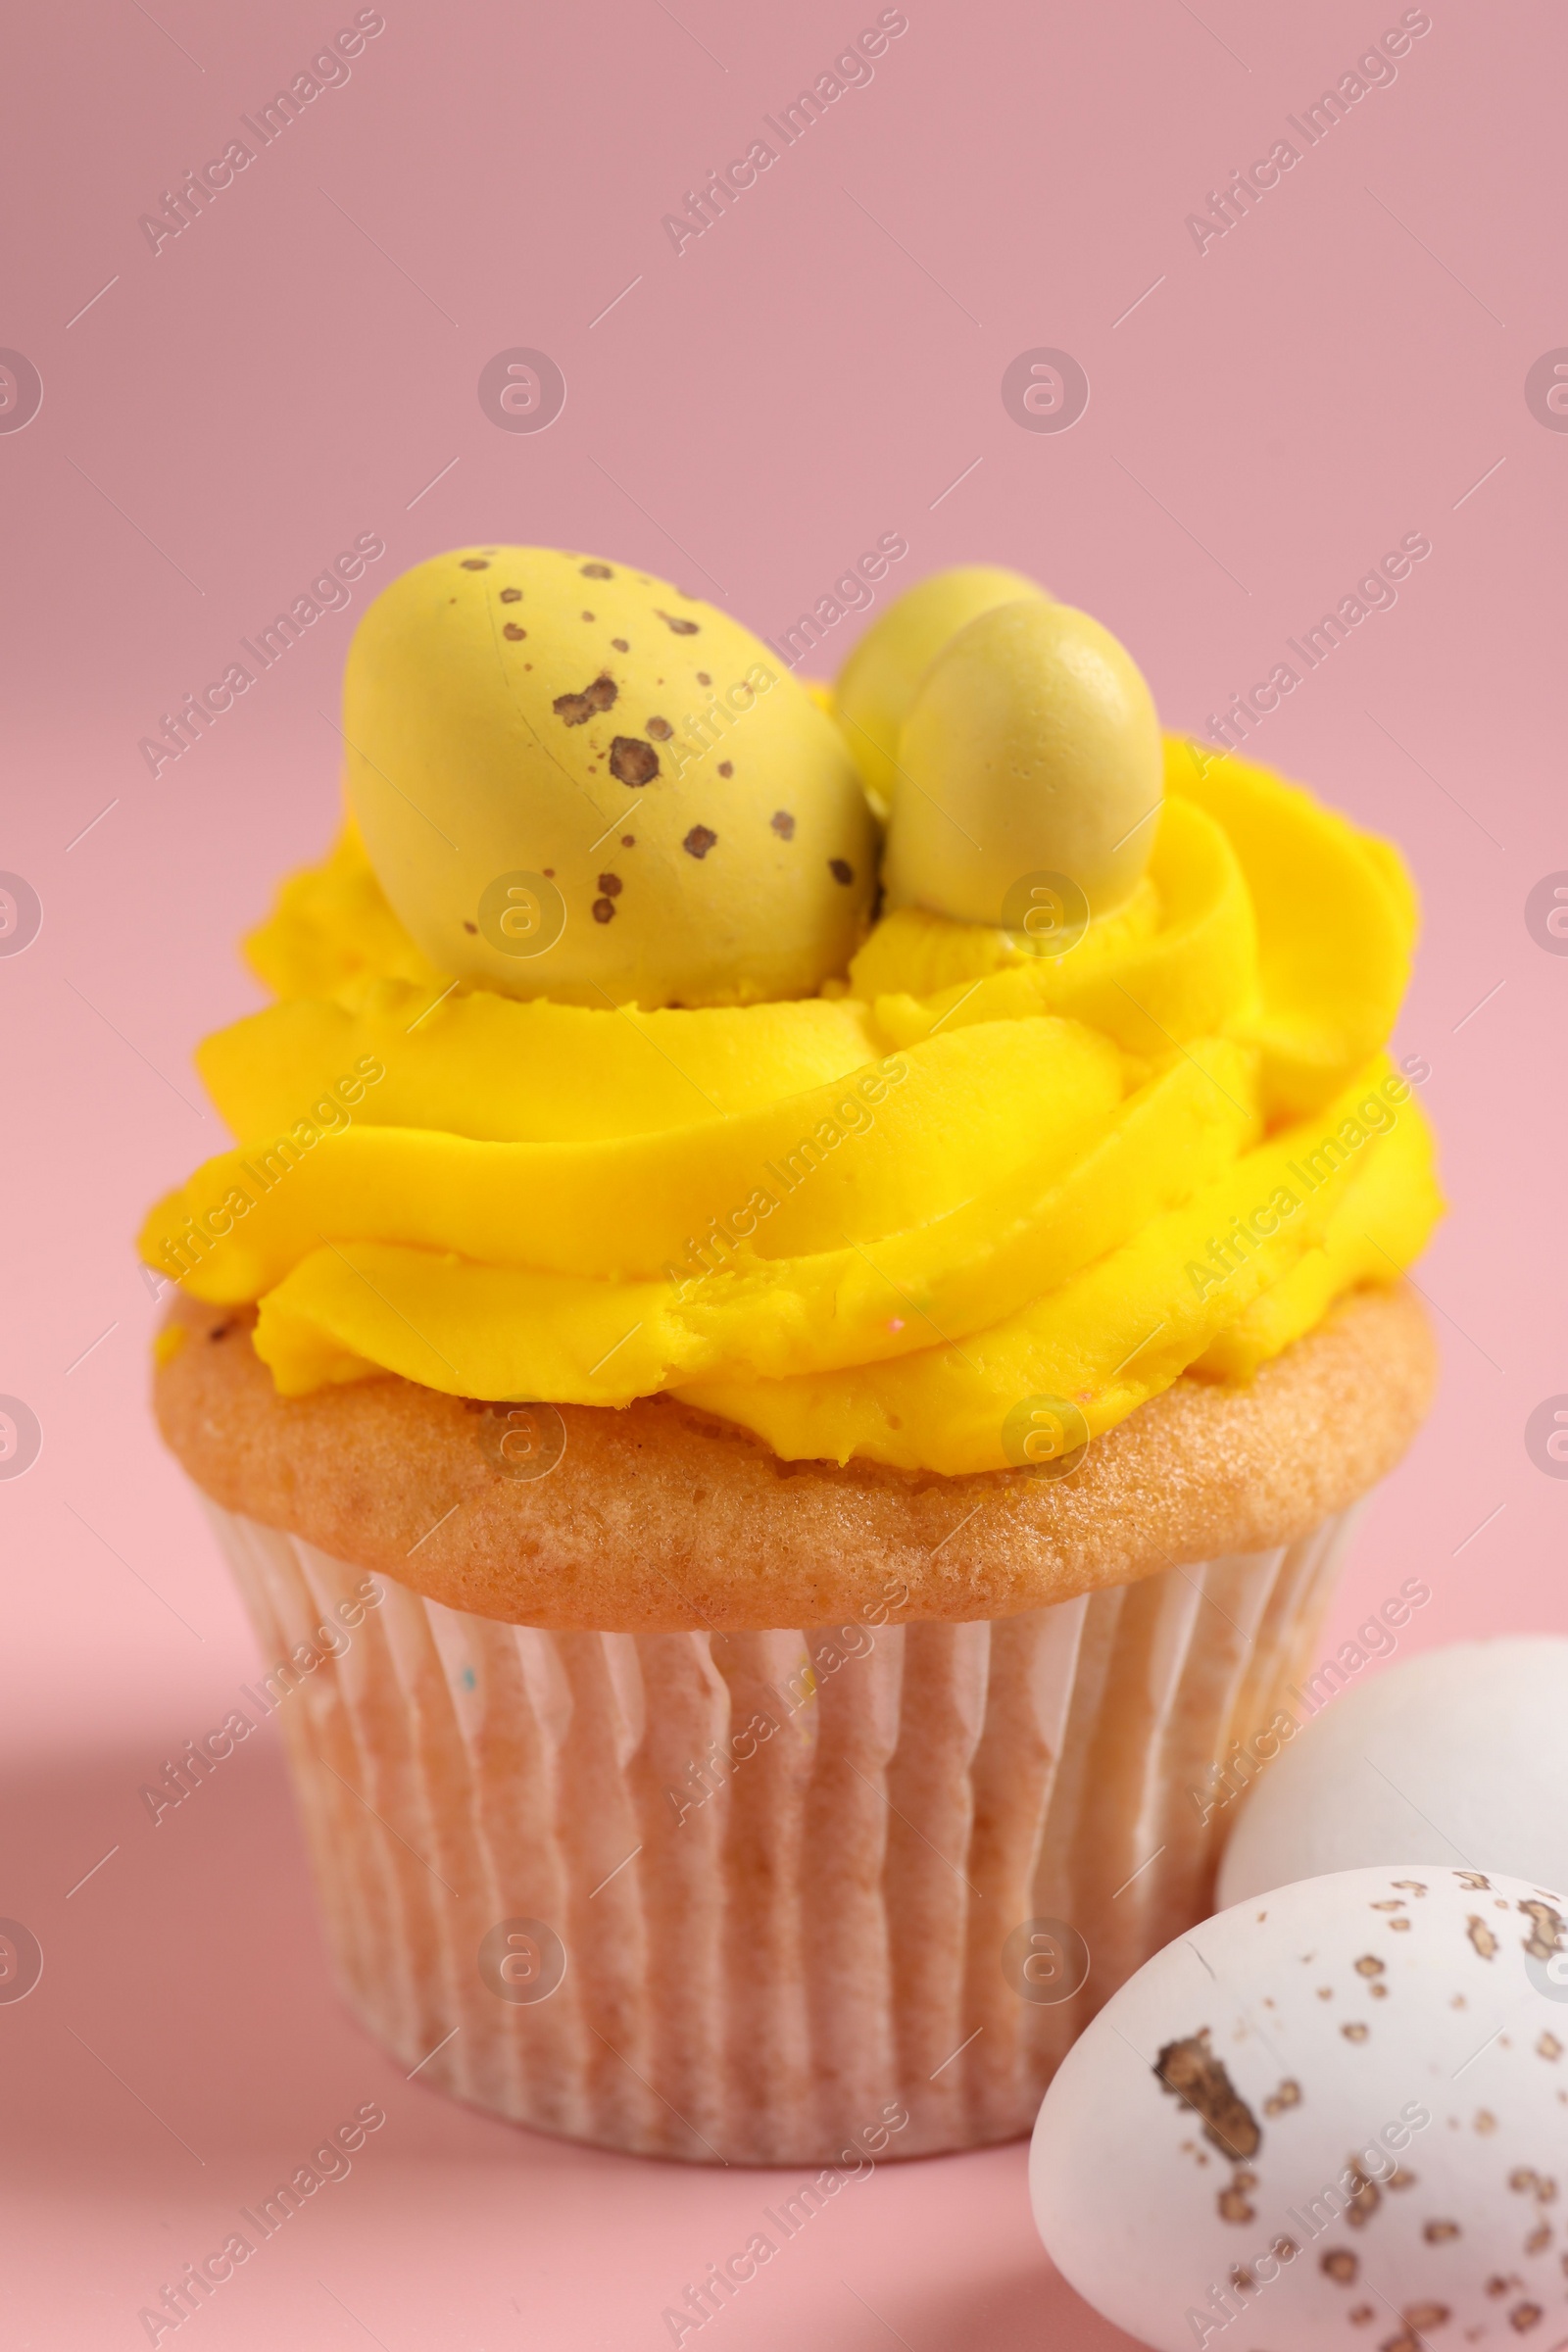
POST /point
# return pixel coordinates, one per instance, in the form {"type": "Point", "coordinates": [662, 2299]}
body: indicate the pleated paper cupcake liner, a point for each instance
{"type": "Point", "coordinates": [766, 1898]}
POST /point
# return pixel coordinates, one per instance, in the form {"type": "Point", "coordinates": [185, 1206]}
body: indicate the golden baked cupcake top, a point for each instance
{"type": "Point", "coordinates": [591, 1076]}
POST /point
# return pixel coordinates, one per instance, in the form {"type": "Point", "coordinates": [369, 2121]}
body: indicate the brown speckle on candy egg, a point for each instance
{"type": "Point", "coordinates": [632, 761]}
{"type": "Point", "coordinates": [1190, 2072]}
{"type": "Point", "coordinates": [490, 747]}
{"type": "Point", "coordinates": [576, 710]}
{"type": "Point", "coordinates": [1546, 1928]}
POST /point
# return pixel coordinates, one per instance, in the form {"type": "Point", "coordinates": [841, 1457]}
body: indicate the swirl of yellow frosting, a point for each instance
{"type": "Point", "coordinates": [875, 1222]}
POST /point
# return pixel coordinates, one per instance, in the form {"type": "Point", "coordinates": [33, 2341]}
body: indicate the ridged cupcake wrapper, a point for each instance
{"type": "Point", "coordinates": [755, 1897]}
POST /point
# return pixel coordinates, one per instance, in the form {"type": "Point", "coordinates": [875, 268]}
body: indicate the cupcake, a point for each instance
{"type": "Point", "coordinates": [807, 1286]}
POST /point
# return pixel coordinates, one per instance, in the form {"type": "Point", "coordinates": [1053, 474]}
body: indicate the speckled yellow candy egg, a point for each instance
{"type": "Point", "coordinates": [881, 677]}
{"type": "Point", "coordinates": [576, 781]}
{"type": "Point", "coordinates": [1032, 749]}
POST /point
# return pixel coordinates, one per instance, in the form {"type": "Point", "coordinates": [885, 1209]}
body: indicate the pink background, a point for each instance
{"type": "Point", "coordinates": [1343, 368]}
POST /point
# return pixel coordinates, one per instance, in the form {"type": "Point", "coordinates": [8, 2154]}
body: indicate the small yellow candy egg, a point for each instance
{"type": "Point", "coordinates": [880, 679]}
{"type": "Point", "coordinates": [1031, 775]}
{"type": "Point", "coordinates": [576, 781]}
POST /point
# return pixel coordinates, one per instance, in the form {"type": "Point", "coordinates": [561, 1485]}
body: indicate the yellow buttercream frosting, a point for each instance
{"type": "Point", "coordinates": [883, 1221]}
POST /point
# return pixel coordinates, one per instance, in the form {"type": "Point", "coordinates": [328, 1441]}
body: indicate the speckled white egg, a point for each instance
{"type": "Point", "coordinates": [1458, 1756]}
{"type": "Point", "coordinates": [1336, 2115]}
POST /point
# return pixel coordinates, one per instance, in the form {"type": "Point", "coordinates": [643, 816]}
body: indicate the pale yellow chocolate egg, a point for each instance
{"type": "Point", "coordinates": [1031, 775]}
{"type": "Point", "coordinates": [876, 688]}
{"type": "Point", "coordinates": [576, 781]}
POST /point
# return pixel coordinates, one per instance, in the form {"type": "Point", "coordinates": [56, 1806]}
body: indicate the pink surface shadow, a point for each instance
{"type": "Point", "coordinates": [183, 2052]}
